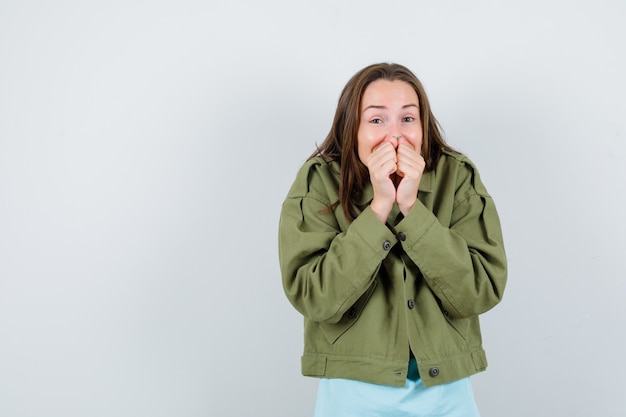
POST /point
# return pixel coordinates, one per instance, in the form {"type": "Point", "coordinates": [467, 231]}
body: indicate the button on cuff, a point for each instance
{"type": "Point", "coordinates": [386, 245]}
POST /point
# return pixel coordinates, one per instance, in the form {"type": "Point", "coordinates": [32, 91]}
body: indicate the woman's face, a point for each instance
{"type": "Point", "coordinates": [389, 113]}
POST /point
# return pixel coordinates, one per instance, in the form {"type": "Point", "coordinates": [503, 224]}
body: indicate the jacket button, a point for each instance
{"type": "Point", "coordinates": [386, 245]}
{"type": "Point", "coordinates": [434, 371]}
{"type": "Point", "coordinates": [401, 237]}
{"type": "Point", "coordinates": [411, 304]}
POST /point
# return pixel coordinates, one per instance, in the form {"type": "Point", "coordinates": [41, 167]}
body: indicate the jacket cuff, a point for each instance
{"type": "Point", "coordinates": [414, 225]}
{"type": "Point", "coordinates": [376, 234]}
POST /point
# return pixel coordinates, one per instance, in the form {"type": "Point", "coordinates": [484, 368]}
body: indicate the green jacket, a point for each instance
{"type": "Point", "coordinates": [369, 292]}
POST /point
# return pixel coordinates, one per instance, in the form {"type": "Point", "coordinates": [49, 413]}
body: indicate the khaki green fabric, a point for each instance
{"type": "Point", "coordinates": [366, 302]}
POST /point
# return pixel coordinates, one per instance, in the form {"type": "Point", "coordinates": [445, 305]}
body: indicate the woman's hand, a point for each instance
{"type": "Point", "coordinates": [382, 164]}
{"type": "Point", "coordinates": [410, 167]}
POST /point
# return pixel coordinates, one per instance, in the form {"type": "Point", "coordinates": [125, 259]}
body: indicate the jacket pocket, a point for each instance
{"type": "Point", "coordinates": [460, 325]}
{"type": "Point", "coordinates": [332, 332]}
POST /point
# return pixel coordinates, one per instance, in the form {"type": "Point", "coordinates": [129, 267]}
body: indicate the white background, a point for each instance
{"type": "Point", "coordinates": [146, 148]}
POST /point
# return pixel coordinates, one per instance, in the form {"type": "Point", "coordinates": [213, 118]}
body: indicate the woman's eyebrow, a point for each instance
{"type": "Point", "coordinates": [373, 106]}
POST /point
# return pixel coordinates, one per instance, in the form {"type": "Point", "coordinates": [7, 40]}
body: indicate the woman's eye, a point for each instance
{"type": "Point", "coordinates": [409, 119]}
{"type": "Point", "coordinates": [376, 121]}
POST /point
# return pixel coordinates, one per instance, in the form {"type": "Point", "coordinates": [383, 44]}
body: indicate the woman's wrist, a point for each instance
{"type": "Point", "coordinates": [406, 208]}
{"type": "Point", "coordinates": [381, 210]}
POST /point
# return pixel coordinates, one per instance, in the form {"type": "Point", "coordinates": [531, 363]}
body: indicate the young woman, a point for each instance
{"type": "Point", "coordinates": [390, 247]}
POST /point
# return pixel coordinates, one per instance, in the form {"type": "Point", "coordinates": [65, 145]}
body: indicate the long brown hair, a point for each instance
{"type": "Point", "coordinates": [341, 142]}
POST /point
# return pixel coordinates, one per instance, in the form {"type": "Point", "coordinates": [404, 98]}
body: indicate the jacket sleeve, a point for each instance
{"type": "Point", "coordinates": [464, 264]}
{"type": "Point", "coordinates": [326, 270]}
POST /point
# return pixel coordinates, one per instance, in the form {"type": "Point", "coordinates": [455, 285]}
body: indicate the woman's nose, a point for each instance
{"type": "Point", "coordinates": [394, 139]}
